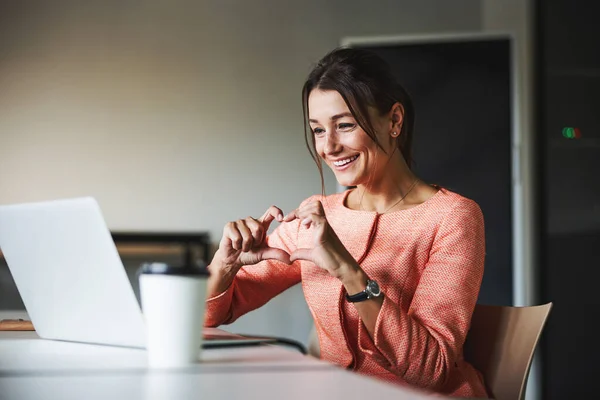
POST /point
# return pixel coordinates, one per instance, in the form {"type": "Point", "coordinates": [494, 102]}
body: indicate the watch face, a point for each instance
{"type": "Point", "coordinates": [373, 288]}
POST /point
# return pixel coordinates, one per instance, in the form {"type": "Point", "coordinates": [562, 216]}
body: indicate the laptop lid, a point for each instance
{"type": "Point", "coordinates": [69, 274]}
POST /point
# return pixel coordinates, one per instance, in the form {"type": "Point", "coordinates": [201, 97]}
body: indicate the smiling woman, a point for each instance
{"type": "Point", "coordinates": [391, 268]}
{"type": "Point", "coordinates": [360, 84]}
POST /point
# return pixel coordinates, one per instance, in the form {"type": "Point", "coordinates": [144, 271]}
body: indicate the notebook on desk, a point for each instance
{"type": "Point", "coordinates": [71, 278]}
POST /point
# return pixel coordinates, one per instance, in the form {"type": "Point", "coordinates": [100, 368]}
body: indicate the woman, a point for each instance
{"type": "Point", "coordinates": [391, 268]}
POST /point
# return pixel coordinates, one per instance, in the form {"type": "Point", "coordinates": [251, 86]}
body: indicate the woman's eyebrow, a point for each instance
{"type": "Point", "coordinates": [335, 117]}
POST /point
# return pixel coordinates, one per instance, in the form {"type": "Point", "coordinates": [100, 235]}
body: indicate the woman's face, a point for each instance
{"type": "Point", "coordinates": [343, 145]}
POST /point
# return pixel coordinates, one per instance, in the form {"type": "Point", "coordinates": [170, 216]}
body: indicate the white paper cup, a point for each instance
{"type": "Point", "coordinates": [173, 302]}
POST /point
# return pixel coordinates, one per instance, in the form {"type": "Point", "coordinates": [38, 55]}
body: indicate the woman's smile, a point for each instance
{"type": "Point", "coordinates": [342, 164]}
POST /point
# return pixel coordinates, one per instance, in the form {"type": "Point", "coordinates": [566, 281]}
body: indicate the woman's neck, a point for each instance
{"type": "Point", "coordinates": [394, 190]}
{"type": "Point", "coordinates": [383, 201]}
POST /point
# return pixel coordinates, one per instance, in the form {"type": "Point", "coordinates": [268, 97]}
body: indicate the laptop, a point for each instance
{"type": "Point", "coordinates": [71, 278]}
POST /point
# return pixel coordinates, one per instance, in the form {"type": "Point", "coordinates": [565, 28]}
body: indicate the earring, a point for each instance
{"type": "Point", "coordinates": [394, 134]}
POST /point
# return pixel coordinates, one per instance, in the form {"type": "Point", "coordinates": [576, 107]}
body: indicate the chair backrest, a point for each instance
{"type": "Point", "coordinates": [313, 343]}
{"type": "Point", "coordinates": [501, 344]}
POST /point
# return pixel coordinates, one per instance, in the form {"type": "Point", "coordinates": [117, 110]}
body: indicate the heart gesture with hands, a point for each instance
{"type": "Point", "coordinates": [328, 252]}
{"type": "Point", "coordinates": [243, 241]}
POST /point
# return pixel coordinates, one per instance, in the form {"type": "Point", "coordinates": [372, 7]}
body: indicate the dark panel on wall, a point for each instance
{"type": "Point", "coordinates": [461, 90]}
{"type": "Point", "coordinates": [568, 99]}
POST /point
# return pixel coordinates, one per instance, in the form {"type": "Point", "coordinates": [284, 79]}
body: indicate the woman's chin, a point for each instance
{"type": "Point", "coordinates": [346, 178]}
{"type": "Point", "coordinates": [346, 182]}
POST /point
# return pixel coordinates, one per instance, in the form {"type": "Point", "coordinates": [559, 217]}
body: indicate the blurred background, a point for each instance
{"type": "Point", "coordinates": [178, 116]}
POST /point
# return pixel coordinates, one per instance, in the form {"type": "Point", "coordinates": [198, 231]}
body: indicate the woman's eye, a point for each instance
{"type": "Point", "coordinates": [346, 126]}
{"type": "Point", "coordinates": [318, 131]}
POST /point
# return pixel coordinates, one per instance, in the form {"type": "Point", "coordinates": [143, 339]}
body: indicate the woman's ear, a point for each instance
{"type": "Point", "coordinates": [397, 116]}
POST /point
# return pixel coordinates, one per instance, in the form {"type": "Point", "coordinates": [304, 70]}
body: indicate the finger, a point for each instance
{"type": "Point", "coordinates": [247, 238]}
{"type": "Point", "coordinates": [320, 209]}
{"type": "Point", "coordinates": [272, 253]}
{"type": "Point", "coordinates": [272, 213]}
{"type": "Point", "coordinates": [309, 220]}
{"type": "Point", "coordinates": [232, 233]}
{"type": "Point", "coordinates": [258, 231]}
{"type": "Point", "coordinates": [306, 222]}
{"type": "Point", "coordinates": [299, 213]}
{"type": "Point", "coordinates": [314, 207]}
{"type": "Point", "coordinates": [291, 216]}
{"type": "Point", "coordinates": [302, 254]}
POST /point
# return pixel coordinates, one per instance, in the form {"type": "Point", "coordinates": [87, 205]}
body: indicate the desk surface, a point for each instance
{"type": "Point", "coordinates": [25, 353]}
{"type": "Point", "coordinates": [32, 368]}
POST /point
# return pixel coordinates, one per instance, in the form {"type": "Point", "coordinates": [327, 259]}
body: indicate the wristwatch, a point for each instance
{"type": "Point", "coordinates": [372, 290]}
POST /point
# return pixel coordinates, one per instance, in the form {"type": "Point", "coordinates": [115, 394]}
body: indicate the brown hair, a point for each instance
{"type": "Point", "coordinates": [363, 79]}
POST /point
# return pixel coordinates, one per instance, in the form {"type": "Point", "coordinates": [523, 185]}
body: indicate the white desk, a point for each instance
{"type": "Point", "coordinates": [23, 353]}
{"type": "Point", "coordinates": [291, 385]}
{"type": "Point", "coordinates": [33, 368]}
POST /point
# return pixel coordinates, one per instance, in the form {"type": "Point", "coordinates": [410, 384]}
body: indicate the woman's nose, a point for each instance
{"type": "Point", "coordinates": [332, 144]}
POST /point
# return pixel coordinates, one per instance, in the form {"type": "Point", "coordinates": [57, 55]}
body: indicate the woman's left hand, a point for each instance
{"type": "Point", "coordinates": [328, 252]}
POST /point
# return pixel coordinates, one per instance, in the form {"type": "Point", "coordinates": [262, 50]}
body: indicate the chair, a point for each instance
{"type": "Point", "coordinates": [313, 343]}
{"type": "Point", "coordinates": [500, 344]}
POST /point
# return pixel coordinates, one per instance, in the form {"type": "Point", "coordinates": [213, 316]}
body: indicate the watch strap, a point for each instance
{"type": "Point", "coordinates": [360, 296]}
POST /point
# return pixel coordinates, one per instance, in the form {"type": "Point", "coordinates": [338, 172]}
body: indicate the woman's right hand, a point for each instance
{"type": "Point", "coordinates": [244, 243]}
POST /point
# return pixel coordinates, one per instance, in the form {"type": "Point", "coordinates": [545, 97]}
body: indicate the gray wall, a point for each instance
{"type": "Point", "coordinates": [179, 115]}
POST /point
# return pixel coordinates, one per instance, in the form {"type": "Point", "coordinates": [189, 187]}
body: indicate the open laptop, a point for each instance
{"type": "Point", "coordinates": [70, 276]}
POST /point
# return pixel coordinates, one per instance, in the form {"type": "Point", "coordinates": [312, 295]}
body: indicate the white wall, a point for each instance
{"type": "Point", "coordinates": [516, 17]}
{"type": "Point", "coordinates": [179, 115]}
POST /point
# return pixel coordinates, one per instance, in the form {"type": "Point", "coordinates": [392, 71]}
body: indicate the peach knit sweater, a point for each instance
{"type": "Point", "coordinates": [428, 261]}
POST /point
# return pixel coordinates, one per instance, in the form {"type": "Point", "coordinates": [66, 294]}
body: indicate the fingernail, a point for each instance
{"type": "Point", "coordinates": [305, 221]}
{"type": "Point", "coordinates": [279, 217]}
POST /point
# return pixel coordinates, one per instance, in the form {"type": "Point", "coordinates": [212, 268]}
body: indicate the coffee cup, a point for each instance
{"type": "Point", "coordinates": [173, 303]}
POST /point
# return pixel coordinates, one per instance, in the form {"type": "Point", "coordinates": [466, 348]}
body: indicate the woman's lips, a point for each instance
{"type": "Point", "coordinates": [344, 163]}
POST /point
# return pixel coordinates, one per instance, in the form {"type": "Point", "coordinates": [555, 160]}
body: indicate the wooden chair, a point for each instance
{"type": "Point", "coordinates": [500, 344]}
{"type": "Point", "coordinates": [313, 343]}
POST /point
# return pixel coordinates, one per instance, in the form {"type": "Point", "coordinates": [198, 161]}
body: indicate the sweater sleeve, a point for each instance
{"type": "Point", "coordinates": [254, 285]}
{"type": "Point", "coordinates": [421, 345]}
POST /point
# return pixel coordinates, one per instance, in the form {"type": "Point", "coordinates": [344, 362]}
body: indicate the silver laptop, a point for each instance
{"type": "Point", "coordinates": [69, 274]}
{"type": "Point", "coordinates": [71, 278]}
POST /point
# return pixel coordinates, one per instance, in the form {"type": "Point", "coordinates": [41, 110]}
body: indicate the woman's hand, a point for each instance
{"type": "Point", "coordinates": [243, 243]}
{"type": "Point", "coordinates": [328, 252]}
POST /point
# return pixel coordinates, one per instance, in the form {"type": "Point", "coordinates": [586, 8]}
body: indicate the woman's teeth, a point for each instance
{"type": "Point", "coordinates": [345, 161]}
